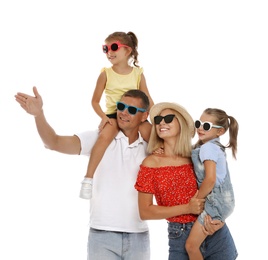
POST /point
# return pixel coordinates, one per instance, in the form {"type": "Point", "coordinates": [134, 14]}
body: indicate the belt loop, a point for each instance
{"type": "Point", "coordinates": [183, 227]}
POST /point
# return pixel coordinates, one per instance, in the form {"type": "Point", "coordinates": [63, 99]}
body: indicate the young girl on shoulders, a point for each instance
{"type": "Point", "coordinates": [121, 50]}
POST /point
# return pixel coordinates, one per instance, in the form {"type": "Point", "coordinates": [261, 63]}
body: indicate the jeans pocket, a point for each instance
{"type": "Point", "coordinates": [174, 233]}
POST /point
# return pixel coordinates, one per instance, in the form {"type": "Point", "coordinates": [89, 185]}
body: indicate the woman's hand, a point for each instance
{"type": "Point", "coordinates": [211, 226]}
{"type": "Point", "coordinates": [196, 205]}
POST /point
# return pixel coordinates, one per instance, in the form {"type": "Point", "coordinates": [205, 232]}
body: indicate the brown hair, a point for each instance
{"type": "Point", "coordinates": [128, 39]}
{"type": "Point", "coordinates": [227, 122]}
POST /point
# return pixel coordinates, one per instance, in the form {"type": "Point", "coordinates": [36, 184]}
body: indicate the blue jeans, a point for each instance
{"type": "Point", "coordinates": [219, 246]}
{"type": "Point", "coordinates": [110, 245]}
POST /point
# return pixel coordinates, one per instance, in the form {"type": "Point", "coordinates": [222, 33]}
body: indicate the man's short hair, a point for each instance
{"type": "Point", "coordinates": [135, 93]}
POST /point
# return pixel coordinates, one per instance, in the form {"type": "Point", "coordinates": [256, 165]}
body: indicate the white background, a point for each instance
{"type": "Point", "coordinates": [197, 53]}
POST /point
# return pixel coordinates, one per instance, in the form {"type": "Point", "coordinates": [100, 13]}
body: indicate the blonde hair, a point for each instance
{"type": "Point", "coordinates": [183, 146]}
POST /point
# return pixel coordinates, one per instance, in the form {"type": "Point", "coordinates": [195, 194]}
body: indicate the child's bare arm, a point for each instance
{"type": "Point", "coordinates": [97, 94]}
{"type": "Point", "coordinates": [144, 88]}
{"type": "Point", "coordinates": [210, 179]}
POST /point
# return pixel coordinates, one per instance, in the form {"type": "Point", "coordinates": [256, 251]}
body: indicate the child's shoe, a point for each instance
{"type": "Point", "coordinates": [86, 189]}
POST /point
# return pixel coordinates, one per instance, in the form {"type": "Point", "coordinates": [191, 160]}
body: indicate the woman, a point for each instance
{"type": "Point", "coordinates": [170, 177]}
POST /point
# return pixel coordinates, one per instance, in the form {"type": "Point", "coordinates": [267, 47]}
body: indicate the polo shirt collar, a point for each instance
{"type": "Point", "coordinates": [121, 135]}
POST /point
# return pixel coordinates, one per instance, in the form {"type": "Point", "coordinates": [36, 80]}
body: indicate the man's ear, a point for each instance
{"type": "Point", "coordinates": [144, 116]}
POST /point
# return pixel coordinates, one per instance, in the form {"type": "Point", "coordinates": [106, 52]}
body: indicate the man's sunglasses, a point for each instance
{"type": "Point", "coordinates": [115, 46]}
{"type": "Point", "coordinates": [168, 119]}
{"type": "Point", "coordinates": [206, 125]}
{"type": "Point", "coordinates": [131, 109]}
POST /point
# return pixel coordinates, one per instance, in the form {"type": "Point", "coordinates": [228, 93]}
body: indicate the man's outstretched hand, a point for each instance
{"type": "Point", "coordinates": [31, 104]}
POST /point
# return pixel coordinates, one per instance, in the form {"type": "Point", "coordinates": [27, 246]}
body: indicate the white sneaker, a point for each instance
{"type": "Point", "coordinates": [86, 189]}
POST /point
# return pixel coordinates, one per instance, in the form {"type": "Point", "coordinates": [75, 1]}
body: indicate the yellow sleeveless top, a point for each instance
{"type": "Point", "coordinates": [117, 85]}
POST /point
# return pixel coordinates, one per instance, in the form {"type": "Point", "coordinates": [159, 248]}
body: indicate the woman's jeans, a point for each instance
{"type": "Point", "coordinates": [219, 246]}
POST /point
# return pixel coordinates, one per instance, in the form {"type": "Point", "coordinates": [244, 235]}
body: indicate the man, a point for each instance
{"type": "Point", "coordinates": [116, 230]}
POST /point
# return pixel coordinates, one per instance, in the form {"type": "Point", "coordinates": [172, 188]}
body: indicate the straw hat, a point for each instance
{"type": "Point", "coordinates": [157, 108]}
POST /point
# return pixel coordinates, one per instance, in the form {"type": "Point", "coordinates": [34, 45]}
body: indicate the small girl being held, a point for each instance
{"type": "Point", "coordinates": [121, 50]}
{"type": "Point", "coordinates": [211, 168]}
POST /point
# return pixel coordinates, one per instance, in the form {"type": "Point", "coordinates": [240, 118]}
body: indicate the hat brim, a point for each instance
{"type": "Point", "coordinates": [157, 108]}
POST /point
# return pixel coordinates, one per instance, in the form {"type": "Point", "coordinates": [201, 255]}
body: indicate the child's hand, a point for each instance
{"type": "Point", "coordinates": [105, 120]}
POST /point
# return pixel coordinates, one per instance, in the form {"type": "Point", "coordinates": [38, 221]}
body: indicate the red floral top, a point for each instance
{"type": "Point", "coordinates": [171, 185]}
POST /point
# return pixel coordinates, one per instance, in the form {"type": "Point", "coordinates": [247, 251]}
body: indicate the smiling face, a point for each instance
{"type": "Point", "coordinates": [121, 54]}
{"type": "Point", "coordinates": [213, 133]}
{"type": "Point", "coordinates": [128, 122]}
{"type": "Point", "coordinates": [168, 130]}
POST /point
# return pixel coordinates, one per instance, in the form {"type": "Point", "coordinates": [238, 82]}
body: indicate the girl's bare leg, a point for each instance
{"type": "Point", "coordinates": [104, 139]}
{"type": "Point", "coordinates": [194, 241]}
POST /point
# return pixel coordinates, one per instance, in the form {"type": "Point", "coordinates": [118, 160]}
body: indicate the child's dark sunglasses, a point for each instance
{"type": "Point", "coordinates": [115, 46]}
{"type": "Point", "coordinates": [206, 125]}
{"type": "Point", "coordinates": [131, 109]}
{"type": "Point", "coordinates": [168, 119]}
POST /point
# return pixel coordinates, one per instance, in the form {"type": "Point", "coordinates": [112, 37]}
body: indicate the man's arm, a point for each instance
{"type": "Point", "coordinates": [33, 105]}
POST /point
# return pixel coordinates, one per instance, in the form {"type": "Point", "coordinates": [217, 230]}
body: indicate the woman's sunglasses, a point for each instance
{"type": "Point", "coordinates": [168, 119]}
{"type": "Point", "coordinates": [206, 125]}
{"type": "Point", "coordinates": [115, 46]}
{"type": "Point", "coordinates": [131, 109]}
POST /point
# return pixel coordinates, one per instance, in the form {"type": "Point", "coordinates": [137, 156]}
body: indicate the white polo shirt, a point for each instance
{"type": "Point", "coordinates": [114, 203]}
